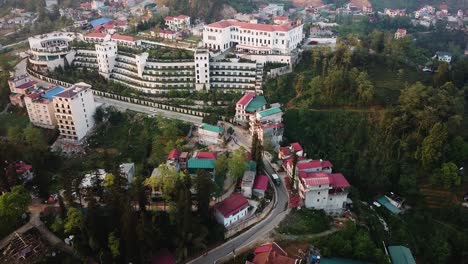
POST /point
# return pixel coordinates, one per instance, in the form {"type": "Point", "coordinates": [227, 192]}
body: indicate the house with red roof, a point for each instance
{"type": "Point", "coordinates": [165, 34]}
{"type": "Point", "coordinates": [400, 33]}
{"type": "Point", "coordinates": [279, 20]}
{"type": "Point", "coordinates": [287, 152]}
{"type": "Point", "coordinates": [323, 190]}
{"type": "Point", "coordinates": [260, 185]}
{"type": "Point", "coordinates": [231, 210]}
{"type": "Point", "coordinates": [172, 159]}
{"type": "Point", "coordinates": [95, 37]}
{"type": "Point", "coordinates": [249, 104]}
{"type": "Point", "coordinates": [272, 253]}
{"type": "Point", "coordinates": [19, 88]}
{"type": "Point", "coordinates": [128, 41]}
{"type": "Point", "coordinates": [394, 12]}
{"type": "Point", "coordinates": [178, 23]}
{"type": "Point", "coordinates": [306, 165]}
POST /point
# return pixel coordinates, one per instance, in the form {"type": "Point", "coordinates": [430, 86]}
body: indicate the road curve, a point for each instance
{"type": "Point", "coordinates": [254, 233]}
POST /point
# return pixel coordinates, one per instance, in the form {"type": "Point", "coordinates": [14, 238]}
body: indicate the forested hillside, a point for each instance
{"type": "Point", "coordinates": [208, 10]}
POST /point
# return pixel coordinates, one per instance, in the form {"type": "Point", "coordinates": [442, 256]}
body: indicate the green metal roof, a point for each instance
{"type": "Point", "coordinates": [195, 163]}
{"type": "Point", "coordinates": [270, 111]}
{"type": "Point", "coordinates": [257, 103]}
{"type": "Point", "coordinates": [212, 128]}
{"type": "Point", "coordinates": [401, 255]}
{"type": "Point", "coordinates": [386, 203]}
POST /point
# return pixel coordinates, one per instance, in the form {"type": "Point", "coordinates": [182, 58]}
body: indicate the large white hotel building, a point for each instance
{"type": "Point", "coordinates": [132, 66]}
{"type": "Point", "coordinates": [252, 38]}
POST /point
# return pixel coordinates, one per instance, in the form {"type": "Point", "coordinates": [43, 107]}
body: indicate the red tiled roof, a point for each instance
{"type": "Point", "coordinates": [245, 25]}
{"type": "Point", "coordinates": [339, 181]}
{"type": "Point", "coordinates": [261, 182]}
{"type": "Point", "coordinates": [123, 37]}
{"type": "Point", "coordinates": [206, 155]}
{"type": "Point", "coordinates": [401, 30]}
{"type": "Point", "coordinates": [233, 204]}
{"type": "Point", "coordinates": [165, 31]}
{"type": "Point", "coordinates": [336, 180]}
{"type": "Point", "coordinates": [121, 23]}
{"type": "Point", "coordinates": [182, 17]}
{"type": "Point", "coordinates": [245, 100]}
{"type": "Point", "coordinates": [285, 151]}
{"type": "Point", "coordinates": [281, 18]}
{"type": "Point", "coordinates": [95, 35]}
{"type": "Point", "coordinates": [315, 181]}
{"type": "Point", "coordinates": [296, 146]}
{"type": "Point", "coordinates": [271, 254]}
{"type": "Point", "coordinates": [22, 167]}
{"type": "Point", "coordinates": [174, 154]}
{"type": "Point", "coordinates": [314, 164]}
{"type": "Point", "coordinates": [26, 85]}
{"type": "Point", "coordinates": [169, 18]}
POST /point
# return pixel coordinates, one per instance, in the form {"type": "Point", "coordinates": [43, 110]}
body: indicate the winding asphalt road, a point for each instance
{"type": "Point", "coordinates": [253, 234]}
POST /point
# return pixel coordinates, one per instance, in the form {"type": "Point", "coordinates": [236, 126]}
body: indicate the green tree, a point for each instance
{"type": "Point", "coordinates": [34, 137]}
{"type": "Point", "coordinates": [237, 163]}
{"type": "Point", "coordinates": [432, 148]}
{"type": "Point", "coordinates": [15, 134]}
{"type": "Point", "coordinates": [12, 205]}
{"type": "Point", "coordinates": [442, 75]}
{"type": "Point", "coordinates": [221, 169]}
{"type": "Point", "coordinates": [74, 221]}
{"type": "Point", "coordinates": [447, 175]}
{"type": "Point", "coordinates": [114, 245]}
{"type": "Point", "coordinates": [204, 187]}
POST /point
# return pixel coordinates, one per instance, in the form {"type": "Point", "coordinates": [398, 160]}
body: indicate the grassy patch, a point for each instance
{"type": "Point", "coordinates": [305, 221]}
{"type": "Point", "coordinates": [388, 83]}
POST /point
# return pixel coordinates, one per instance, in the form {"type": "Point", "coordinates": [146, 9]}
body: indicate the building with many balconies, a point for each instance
{"type": "Point", "coordinates": [121, 59]}
{"type": "Point", "coordinates": [74, 110]}
{"type": "Point", "coordinates": [180, 22]}
{"type": "Point", "coordinates": [50, 51]}
{"type": "Point", "coordinates": [40, 107]}
{"type": "Point", "coordinates": [267, 124]}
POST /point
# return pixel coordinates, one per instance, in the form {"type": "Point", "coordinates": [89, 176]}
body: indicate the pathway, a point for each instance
{"type": "Point", "coordinates": [35, 210]}
{"type": "Point", "coordinates": [305, 237]}
{"type": "Point", "coordinates": [5, 109]}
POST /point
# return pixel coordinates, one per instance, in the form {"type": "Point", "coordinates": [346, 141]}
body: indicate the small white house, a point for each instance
{"type": "Point", "coordinates": [231, 210]}
{"type": "Point", "coordinates": [209, 134]}
{"type": "Point", "coordinates": [247, 184]}
{"type": "Point", "coordinates": [443, 56]}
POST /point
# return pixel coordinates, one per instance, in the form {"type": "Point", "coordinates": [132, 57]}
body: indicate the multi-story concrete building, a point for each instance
{"type": "Point", "coordinates": [177, 23]}
{"type": "Point", "coordinates": [400, 33]}
{"type": "Point", "coordinates": [249, 105]}
{"type": "Point", "coordinates": [252, 38]}
{"type": "Point", "coordinates": [322, 190]}
{"type": "Point", "coordinates": [137, 69]}
{"type": "Point", "coordinates": [40, 107]}
{"type": "Point", "coordinates": [50, 51]}
{"type": "Point", "coordinates": [74, 110]}
{"type": "Point", "coordinates": [19, 88]}
{"type": "Point", "coordinates": [267, 124]}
